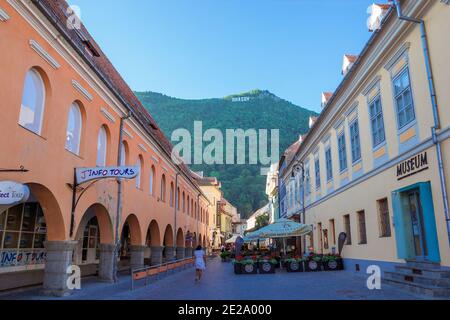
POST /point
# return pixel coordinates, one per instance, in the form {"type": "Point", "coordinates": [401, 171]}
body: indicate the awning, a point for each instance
{"type": "Point", "coordinates": [283, 228]}
{"type": "Point", "coordinates": [232, 239]}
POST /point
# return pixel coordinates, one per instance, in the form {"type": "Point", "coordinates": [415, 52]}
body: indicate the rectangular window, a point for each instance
{"type": "Point", "coordinates": [319, 237]}
{"type": "Point", "coordinates": [383, 218]}
{"type": "Point", "coordinates": [342, 152]}
{"type": "Point", "coordinates": [377, 122]}
{"type": "Point", "coordinates": [348, 230]}
{"type": "Point", "coordinates": [355, 142]}
{"type": "Point", "coordinates": [307, 181]}
{"type": "Point", "coordinates": [403, 99]}
{"type": "Point", "coordinates": [22, 232]}
{"type": "Point", "coordinates": [333, 232]}
{"type": "Point", "coordinates": [362, 227]}
{"type": "Point", "coordinates": [329, 164]}
{"type": "Point", "coordinates": [317, 168]}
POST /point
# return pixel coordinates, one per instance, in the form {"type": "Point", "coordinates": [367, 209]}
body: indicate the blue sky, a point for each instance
{"type": "Point", "coordinates": [211, 48]}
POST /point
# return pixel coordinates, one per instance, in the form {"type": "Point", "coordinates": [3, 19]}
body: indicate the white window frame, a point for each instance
{"type": "Point", "coordinates": [379, 120]}
{"type": "Point", "coordinates": [79, 118]}
{"type": "Point", "coordinates": [355, 141]}
{"type": "Point", "coordinates": [342, 150]}
{"type": "Point", "coordinates": [38, 130]}
{"type": "Point", "coordinates": [102, 162]}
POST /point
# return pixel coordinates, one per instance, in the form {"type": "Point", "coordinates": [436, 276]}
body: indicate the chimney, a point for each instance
{"type": "Point", "coordinates": [312, 121]}
{"type": "Point", "coordinates": [377, 13]}
{"type": "Point", "coordinates": [325, 98]}
{"type": "Point", "coordinates": [349, 60]}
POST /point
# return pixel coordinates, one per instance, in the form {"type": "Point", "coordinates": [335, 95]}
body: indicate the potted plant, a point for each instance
{"type": "Point", "coordinates": [237, 264]}
{"type": "Point", "coordinates": [332, 262]}
{"type": "Point", "coordinates": [249, 266]}
{"type": "Point", "coordinates": [225, 256]}
{"type": "Point", "coordinates": [267, 265]}
{"type": "Point", "coordinates": [295, 264]}
{"type": "Point", "coordinates": [314, 263]}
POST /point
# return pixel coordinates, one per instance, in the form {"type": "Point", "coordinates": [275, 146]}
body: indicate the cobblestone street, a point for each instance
{"type": "Point", "coordinates": [220, 283]}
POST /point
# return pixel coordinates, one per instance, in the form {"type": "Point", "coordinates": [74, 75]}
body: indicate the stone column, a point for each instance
{"type": "Point", "coordinates": [137, 256]}
{"type": "Point", "coordinates": [156, 255]}
{"type": "Point", "coordinates": [180, 253]}
{"type": "Point", "coordinates": [58, 259]}
{"type": "Point", "coordinates": [106, 265]}
{"type": "Point", "coordinates": [188, 252]}
{"type": "Point", "coordinates": [170, 253]}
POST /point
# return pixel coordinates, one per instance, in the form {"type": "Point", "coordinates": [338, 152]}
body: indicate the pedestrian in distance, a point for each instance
{"type": "Point", "coordinates": [200, 262]}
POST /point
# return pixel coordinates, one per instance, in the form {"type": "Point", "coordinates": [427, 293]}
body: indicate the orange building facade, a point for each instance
{"type": "Point", "coordinates": [62, 106]}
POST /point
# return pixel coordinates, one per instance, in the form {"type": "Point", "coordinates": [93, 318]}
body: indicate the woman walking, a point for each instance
{"type": "Point", "coordinates": [200, 262]}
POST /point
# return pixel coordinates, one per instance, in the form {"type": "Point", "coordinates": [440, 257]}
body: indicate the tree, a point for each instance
{"type": "Point", "coordinates": [262, 221]}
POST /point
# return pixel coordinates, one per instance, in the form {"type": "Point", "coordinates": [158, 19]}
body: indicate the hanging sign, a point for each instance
{"type": "Point", "coordinates": [88, 174]}
{"type": "Point", "coordinates": [13, 193]}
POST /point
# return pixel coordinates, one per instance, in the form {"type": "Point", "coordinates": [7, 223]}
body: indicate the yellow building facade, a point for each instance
{"type": "Point", "coordinates": [370, 161]}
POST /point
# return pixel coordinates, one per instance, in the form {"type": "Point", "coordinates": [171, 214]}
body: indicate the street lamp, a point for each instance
{"type": "Point", "coordinates": [299, 167]}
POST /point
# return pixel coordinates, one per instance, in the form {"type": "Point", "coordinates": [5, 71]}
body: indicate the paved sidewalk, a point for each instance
{"type": "Point", "coordinates": [219, 282]}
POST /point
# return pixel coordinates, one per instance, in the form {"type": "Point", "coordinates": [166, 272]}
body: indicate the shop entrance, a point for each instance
{"type": "Point", "coordinates": [415, 223]}
{"type": "Point", "coordinates": [414, 208]}
{"type": "Point", "coordinates": [91, 241]}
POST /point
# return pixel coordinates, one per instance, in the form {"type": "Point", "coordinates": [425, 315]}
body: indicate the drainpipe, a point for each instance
{"type": "Point", "coordinates": [119, 199]}
{"type": "Point", "coordinates": [303, 204]}
{"type": "Point", "coordinates": [434, 105]}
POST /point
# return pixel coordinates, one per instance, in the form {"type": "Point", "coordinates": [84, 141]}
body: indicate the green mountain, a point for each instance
{"type": "Point", "coordinates": [243, 185]}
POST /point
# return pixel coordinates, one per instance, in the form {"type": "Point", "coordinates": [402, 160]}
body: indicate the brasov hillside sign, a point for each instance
{"type": "Point", "coordinates": [88, 174]}
{"type": "Point", "coordinates": [13, 193]}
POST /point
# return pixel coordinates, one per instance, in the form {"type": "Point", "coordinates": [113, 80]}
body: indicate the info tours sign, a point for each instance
{"type": "Point", "coordinates": [84, 175]}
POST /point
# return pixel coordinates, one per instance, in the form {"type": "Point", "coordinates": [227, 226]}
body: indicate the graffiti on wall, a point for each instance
{"type": "Point", "coordinates": [11, 258]}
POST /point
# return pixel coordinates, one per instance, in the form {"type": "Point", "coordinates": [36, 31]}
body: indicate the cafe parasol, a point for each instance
{"type": "Point", "coordinates": [283, 228]}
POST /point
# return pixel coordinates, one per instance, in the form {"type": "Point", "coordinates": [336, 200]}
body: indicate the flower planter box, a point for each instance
{"type": "Point", "coordinates": [295, 266]}
{"type": "Point", "coordinates": [237, 268]}
{"type": "Point", "coordinates": [266, 267]}
{"type": "Point", "coordinates": [331, 265]}
{"type": "Point", "coordinates": [250, 268]}
{"type": "Point", "coordinates": [313, 266]}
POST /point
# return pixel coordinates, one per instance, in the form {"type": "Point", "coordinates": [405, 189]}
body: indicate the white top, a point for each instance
{"type": "Point", "coordinates": [199, 262]}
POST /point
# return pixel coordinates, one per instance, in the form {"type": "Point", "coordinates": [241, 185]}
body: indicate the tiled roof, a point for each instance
{"type": "Point", "coordinates": [327, 95]}
{"type": "Point", "coordinates": [351, 57]}
{"type": "Point", "coordinates": [56, 11]}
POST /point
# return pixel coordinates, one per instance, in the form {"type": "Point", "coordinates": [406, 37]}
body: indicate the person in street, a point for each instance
{"type": "Point", "coordinates": [200, 262]}
{"type": "Point", "coordinates": [222, 249]}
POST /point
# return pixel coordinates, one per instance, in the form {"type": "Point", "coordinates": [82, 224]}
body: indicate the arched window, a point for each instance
{"type": "Point", "coordinates": [183, 205]}
{"type": "Point", "coordinates": [101, 147]}
{"type": "Point", "coordinates": [138, 178]}
{"type": "Point", "coordinates": [151, 179]}
{"type": "Point", "coordinates": [123, 154]}
{"type": "Point", "coordinates": [163, 188]}
{"type": "Point", "coordinates": [192, 207]}
{"type": "Point", "coordinates": [188, 206]}
{"type": "Point", "coordinates": [178, 199]}
{"type": "Point", "coordinates": [73, 133]}
{"type": "Point", "coordinates": [171, 194]}
{"type": "Point", "coordinates": [33, 102]}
